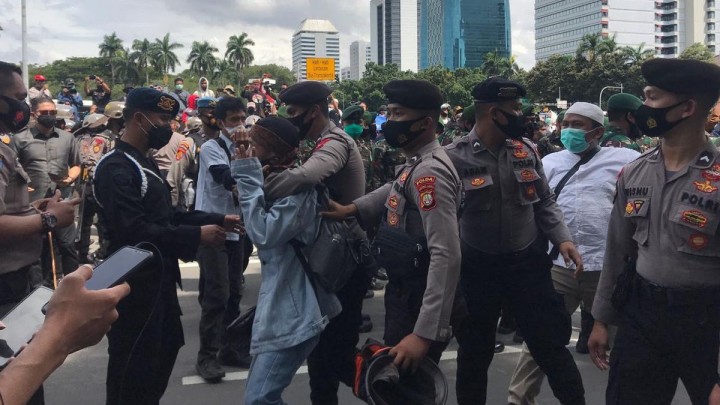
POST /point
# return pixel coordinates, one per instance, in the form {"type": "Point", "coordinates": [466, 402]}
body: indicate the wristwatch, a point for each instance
{"type": "Point", "coordinates": [49, 221]}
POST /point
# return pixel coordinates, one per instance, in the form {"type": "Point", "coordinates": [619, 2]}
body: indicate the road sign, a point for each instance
{"type": "Point", "coordinates": [321, 69]}
{"type": "Point", "coordinates": [561, 104]}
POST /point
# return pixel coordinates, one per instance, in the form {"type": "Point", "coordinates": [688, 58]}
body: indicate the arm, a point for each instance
{"type": "Point", "coordinates": [178, 168]}
{"type": "Point", "coordinates": [221, 175]}
{"type": "Point", "coordinates": [371, 207]}
{"type": "Point", "coordinates": [279, 223]}
{"type": "Point", "coordinates": [104, 85]}
{"type": "Point", "coordinates": [325, 161]}
{"type": "Point", "coordinates": [88, 93]}
{"type": "Point", "coordinates": [548, 215]}
{"type": "Point", "coordinates": [215, 157]}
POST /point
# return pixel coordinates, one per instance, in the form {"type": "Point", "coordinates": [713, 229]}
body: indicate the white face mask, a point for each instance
{"type": "Point", "coordinates": [231, 130]}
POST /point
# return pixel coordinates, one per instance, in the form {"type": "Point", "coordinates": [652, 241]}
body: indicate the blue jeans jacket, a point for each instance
{"type": "Point", "coordinates": [289, 310]}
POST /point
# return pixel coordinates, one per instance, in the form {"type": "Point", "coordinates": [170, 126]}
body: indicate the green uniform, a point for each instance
{"type": "Point", "coordinates": [385, 160]}
{"type": "Point", "coordinates": [614, 138]}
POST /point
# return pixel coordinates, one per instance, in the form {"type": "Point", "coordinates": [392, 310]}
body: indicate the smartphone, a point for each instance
{"type": "Point", "coordinates": [91, 77]}
{"type": "Point", "coordinates": [22, 322]}
{"type": "Point", "coordinates": [118, 267]}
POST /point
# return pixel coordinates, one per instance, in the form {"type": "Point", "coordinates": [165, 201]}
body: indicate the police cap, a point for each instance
{"type": "Point", "coordinates": [306, 93]}
{"type": "Point", "coordinates": [354, 112]}
{"type": "Point", "coordinates": [623, 102]}
{"type": "Point", "coordinates": [151, 100]}
{"type": "Point", "coordinates": [414, 94]}
{"type": "Point", "coordinates": [683, 76]}
{"type": "Point", "coordinates": [497, 89]}
{"type": "Point", "coordinates": [207, 102]}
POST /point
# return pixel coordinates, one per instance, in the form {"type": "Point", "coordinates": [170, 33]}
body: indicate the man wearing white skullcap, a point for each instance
{"type": "Point", "coordinates": [583, 177]}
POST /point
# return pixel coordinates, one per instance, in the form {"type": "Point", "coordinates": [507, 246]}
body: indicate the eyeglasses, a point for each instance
{"type": "Point", "coordinates": [47, 112]}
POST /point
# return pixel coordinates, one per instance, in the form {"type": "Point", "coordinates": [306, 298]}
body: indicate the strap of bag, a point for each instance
{"type": "Point", "coordinates": [297, 247]}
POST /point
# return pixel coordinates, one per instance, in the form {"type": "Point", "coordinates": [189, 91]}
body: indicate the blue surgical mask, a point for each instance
{"type": "Point", "coordinates": [574, 139]}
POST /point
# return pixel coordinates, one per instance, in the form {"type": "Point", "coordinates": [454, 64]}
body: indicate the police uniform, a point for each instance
{"type": "Point", "coordinates": [335, 162]}
{"type": "Point", "coordinates": [507, 203]}
{"type": "Point", "coordinates": [183, 174]}
{"type": "Point", "coordinates": [668, 222]}
{"type": "Point", "coordinates": [135, 205]}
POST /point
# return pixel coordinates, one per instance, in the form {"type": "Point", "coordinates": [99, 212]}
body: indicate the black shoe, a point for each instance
{"type": "Point", "coordinates": [365, 317]}
{"type": "Point", "coordinates": [582, 346]}
{"type": "Point", "coordinates": [518, 338]}
{"type": "Point", "coordinates": [209, 369]}
{"type": "Point", "coordinates": [369, 294]}
{"type": "Point", "coordinates": [366, 326]}
{"type": "Point", "coordinates": [499, 347]}
{"type": "Point", "coordinates": [507, 325]}
{"type": "Point", "coordinates": [231, 358]}
{"type": "Point", "coordinates": [381, 274]}
{"type": "Point", "coordinates": [376, 285]}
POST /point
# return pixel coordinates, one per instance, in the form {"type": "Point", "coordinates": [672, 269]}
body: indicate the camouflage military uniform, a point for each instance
{"type": "Point", "coordinates": [613, 138]}
{"type": "Point", "coordinates": [365, 148]}
{"type": "Point", "coordinates": [306, 148]}
{"type": "Point", "coordinates": [385, 160]}
{"type": "Point", "coordinates": [549, 144]}
{"type": "Point", "coordinates": [451, 133]}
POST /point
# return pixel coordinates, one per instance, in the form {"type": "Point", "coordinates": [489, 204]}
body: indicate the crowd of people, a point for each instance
{"type": "Point", "coordinates": [466, 216]}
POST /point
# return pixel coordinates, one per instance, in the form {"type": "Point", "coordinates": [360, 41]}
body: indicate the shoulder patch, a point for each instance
{"type": "Point", "coordinates": [183, 149]}
{"type": "Point", "coordinates": [426, 187]}
{"type": "Point", "coordinates": [322, 143]}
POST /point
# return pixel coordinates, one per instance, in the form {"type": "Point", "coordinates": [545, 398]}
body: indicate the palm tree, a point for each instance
{"type": "Point", "coordinates": [636, 55]}
{"type": "Point", "coordinates": [127, 69]}
{"type": "Point", "coordinates": [142, 55]}
{"type": "Point", "coordinates": [496, 65]}
{"type": "Point", "coordinates": [588, 48]}
{"type": "Point", "coordinates": [224, 72]}
{"type": "Point", "coordinates": [239, 54]}
{"type": "Point", "coordinates": [164, 54]}
{"type": "Point", "coordinates": [607, 46]}
{"type": "Point", "coordinates": [202, 59]}
{"type": "Point", "coordinates": [109, 49]}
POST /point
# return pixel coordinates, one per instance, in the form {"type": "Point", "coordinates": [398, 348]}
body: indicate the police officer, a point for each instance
{"type": "Point", "coordinates": [183, 174]}
{"type": "Point", "coordinates": [335, 161]}
{"type": "Point", "coordinates": [135, 206]}
{"type": "Point", "coordinates": [666, 220]}
{"type": "Point", "coordinates": [507, 204]}
{"type": "Point", "coordinates": [419, 208]}
{"type": "Point", "coordinates": [621, 131]}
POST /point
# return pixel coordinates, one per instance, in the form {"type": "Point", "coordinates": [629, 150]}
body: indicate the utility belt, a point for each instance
{"type": "Point", "coordinates": [16, 285]}
{"type": "Point", "coordinates": [405, 258]}
{"type": "Point", "coordinates": [676, 296]}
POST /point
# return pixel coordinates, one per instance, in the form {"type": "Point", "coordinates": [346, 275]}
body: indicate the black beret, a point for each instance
{"type": "Point", "coordinates": [414, 94]}
{"type": "Point", "coordinates": [282, 128]}
{"type": "Point", "coordinates": [684, 76]}
{"type": "Point", "coordinates": [354, 112]}
{"type": "Point", "coordinates": [305, 93]}
{"type": "Point", "coordinates": [147, 99]}
{"type": "Point", "coordinates": [497, 89]}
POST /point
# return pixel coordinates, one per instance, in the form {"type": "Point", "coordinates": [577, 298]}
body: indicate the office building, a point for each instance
{"type": "Point", "coordinates": [681, 23]}
{"type": "Point", "coordinates": [315, 39]}
{"type": "Point", "coordinates": [346, 74]}
{"type": "Point", "coordinates": [394, 33]}
{"type": "Point", "coordinates": [360, 55]}
{"type": "Point", "coordinates": [485, 28]}
{"type": "Point", "coordinates": [440, 34]}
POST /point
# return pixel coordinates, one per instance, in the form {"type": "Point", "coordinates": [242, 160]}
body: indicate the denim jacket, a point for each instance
{"type": "Point", "coordinates": [289, 309]}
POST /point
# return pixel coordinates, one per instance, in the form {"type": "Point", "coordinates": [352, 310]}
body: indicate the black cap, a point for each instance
{"type": "Point", "coordinates": [414, 94]}
{"type": "Point", "coordinates": [282, 128]}
{"type": "Point", "coordinates": [497, 89]}
{"type": "Point", "coordinates": [684, 76]}
{"type": "Point", "coordinates": [147, 99]}
{"type": "Point", "coordinates": [305, 93]}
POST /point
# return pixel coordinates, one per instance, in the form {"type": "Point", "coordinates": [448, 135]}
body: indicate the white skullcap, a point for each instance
{"type": "Point", "coordinates": [588, 110]}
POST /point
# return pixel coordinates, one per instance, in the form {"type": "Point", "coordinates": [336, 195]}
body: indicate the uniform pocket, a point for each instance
{"type": "Point", "coordinates": [697, 231]}
{"type": "Point", "coordinates": [527, 186]}
{"type": "Point", "coordinates": [642, 231]}
{"type": "Point", "coordinates": [477, 189]}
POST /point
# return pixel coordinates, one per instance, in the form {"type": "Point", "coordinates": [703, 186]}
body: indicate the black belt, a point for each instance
{"type": "Point", "coordinates": [676, 296]}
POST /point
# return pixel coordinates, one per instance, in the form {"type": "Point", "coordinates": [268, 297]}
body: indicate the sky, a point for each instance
{"type": "Point", "coordinates": [58, 29]}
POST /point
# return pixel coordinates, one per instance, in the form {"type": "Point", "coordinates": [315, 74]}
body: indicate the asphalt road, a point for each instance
{"type": "Point", "coordinates": [81, 380]}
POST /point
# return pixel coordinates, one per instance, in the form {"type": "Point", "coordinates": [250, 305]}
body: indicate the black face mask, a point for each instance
{"type": "Point", "coordinates": [251, 111]}
{"type": "Point", "coordinates": [398, 133]}
{"type": "Point", "coordinates": [210, 122]}
{"type": "Point", "coordinates": [158, 136]}
{"type": "Point", "coordinates": [515, 128]}
{"type": "Point", "coordinates": [653, 121]}
{"type": "Point", "coordinates": [302, 126]}
{"type": "Point", "coordinates": [48, 121]}
{"type": "Point", "coordinates": [17, 116]}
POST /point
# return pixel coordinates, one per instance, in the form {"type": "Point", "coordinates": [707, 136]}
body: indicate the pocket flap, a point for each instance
{"type": "Point", "coordinates": [477, 182]}
{"type": "Point", "coordinates": [526, 175]}
{"type": "Point", "coordinates": [695, 218]}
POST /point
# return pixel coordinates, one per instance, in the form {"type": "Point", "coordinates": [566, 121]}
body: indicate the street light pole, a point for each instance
{"type": "Point", "coordinates": [24, 44]}
{"type": "Point", "coordinates": [608, 87]}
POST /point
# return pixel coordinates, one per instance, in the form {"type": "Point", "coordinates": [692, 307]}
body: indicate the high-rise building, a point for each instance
{"type": "Point", "coordinates": [360, 55]}
{"type": "Point", "coordinates": [665, 26]}
{"type": "Point", "coordinates": [485, 28]}
{"type": "Point", "coordinates": [440, 36]}
{"type": "Point", "coordinates": [315, 39]}
{"type": "Point", "coordinates": [345, 74]}
{"type": "Point", "coordinates": [394, 33]}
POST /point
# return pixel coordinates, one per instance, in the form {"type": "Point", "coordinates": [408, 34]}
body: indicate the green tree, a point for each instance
{"type": "Point", "coordinates": [698, 51]}
{"type": "Point", "coordinates": [239, 54]}
{"type": "Point", "coordinates": [126, 68]}
{"type": "Point", "coordinates": [224, 73]}
{"type": "Point", "coordinates": [636, 55]}
{"type": "Point", "coordinates": [202, 58]}
{"type": "Point", "coordinates": [165, 58]}
{"type": "Point", "coordinates": [142, 55]}
{"type": "Point", "coordinates": [589, 47]}
{"type": "Point", "coordinates": [497, 65]}
{"type": "Point", "coordinates": [109, 49]}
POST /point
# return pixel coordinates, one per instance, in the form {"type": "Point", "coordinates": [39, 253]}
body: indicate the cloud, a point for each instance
{"type": "Point", "coordinates": [59, 29]}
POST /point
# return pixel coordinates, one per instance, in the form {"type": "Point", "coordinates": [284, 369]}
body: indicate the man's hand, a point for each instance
{"type": "Point", "coordinates": [339, 212]}
{"type": "Point", "coordinates": [244, 152]}
{"type": "Point", "coordinates": [410, 352]}
{"type": "Point", "coordinates": [63, 210]}
{"type": "Point", "coordinates": [571, 255]}
{"type": "Point", "coordinates": [232, 223]}
{"type": "Point", "coordinates": [715, 396]}
{"type": "Point", "coordinates": [78, 318]}
{"type": "Point", "coordinates": [65, 182]}
{"type": "Point", "coordinates": [598, 345]}
{"type": "Point", "coordinates": [212, 235]}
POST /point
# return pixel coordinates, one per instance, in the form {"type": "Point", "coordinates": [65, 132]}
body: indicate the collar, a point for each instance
{"type": "Point", "coordinates": [475, 143]}
{"type": "Point", "coordinates": [225, 139]}
{"type": "Point", "coordinates": [36, 133]}
{"type": "Point", "coordinates": [326, 130]}
{"type": "Point", "coordinates": [704, 159]}
{"type": "Point", "coordinates": [127, 148]}
{"type": "Point", "coordinates": [423, 151]}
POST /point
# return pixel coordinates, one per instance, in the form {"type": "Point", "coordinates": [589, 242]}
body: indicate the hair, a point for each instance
{"type": "Point", "coordinates": [128, 112]}
{"type": "Point", "coordinates": [227, 105]}
{"type": "Point", "coordinates": [34, 103]}
{"type": "Point", "coordinates": [6, 73]}
{"type": "Point", "coordinates": [616, 115]}
{"type": "Point", "coordinates": [179, 79]}
{"type": "Point", "coordinates": [706, 101]}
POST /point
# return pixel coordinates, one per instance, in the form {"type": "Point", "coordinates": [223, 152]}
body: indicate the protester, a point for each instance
{"type": "Point", "coordinates": [101, 94]}
{"type": "Point", "coordinates": [204, 89]}
{"type": "Point", "coordinates": [39, 88]}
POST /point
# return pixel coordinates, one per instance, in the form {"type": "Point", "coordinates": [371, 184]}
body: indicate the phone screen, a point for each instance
{"type": "Point", "coordinates": [116, 268]}
{"type": "Point", "coordinates": [22, 322]}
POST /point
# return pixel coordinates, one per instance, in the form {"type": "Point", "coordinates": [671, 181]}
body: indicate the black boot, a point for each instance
{"type": "Point", "coordinates": [586, 325]}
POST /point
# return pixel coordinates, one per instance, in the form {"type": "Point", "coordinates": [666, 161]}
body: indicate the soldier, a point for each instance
{"type": "Point", "coordinates": [660, 281]}
{"type": "Point", "coordinates": [93, 143]}
{"type": "Point", "coordinates": [419, 208]}
{"type": "Point", "coordinates": [507, 204]}
{"type": "Point", "coordinates": [621, 131]}
{"type": "Point", "coordinates": [134, 203]}
{"type": "Point", "coordinates": [354, 125]}
{"type": "Point", "coordinates": [335, 161]}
